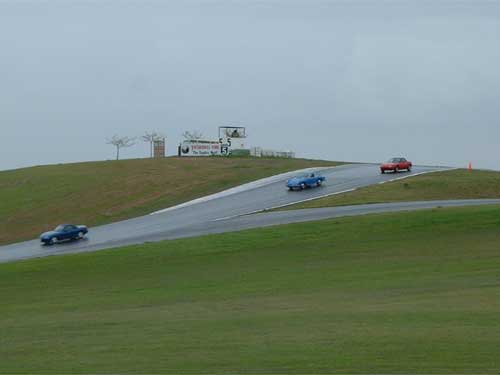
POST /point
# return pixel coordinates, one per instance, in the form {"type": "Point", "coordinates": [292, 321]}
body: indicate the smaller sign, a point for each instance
{"type": "Point", "coordinates": [232, 132]}
{"type": "Point", "coordinates": [159, 148]}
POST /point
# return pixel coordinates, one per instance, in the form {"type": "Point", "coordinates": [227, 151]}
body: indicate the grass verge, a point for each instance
{"type": "Point", "coordinates": [392, 293]}
{"type": "Point", "coordinates": [39, 198]}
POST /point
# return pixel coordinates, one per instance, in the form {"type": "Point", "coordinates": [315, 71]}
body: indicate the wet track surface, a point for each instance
{"type": "Point", "coordinates": [221, 214]}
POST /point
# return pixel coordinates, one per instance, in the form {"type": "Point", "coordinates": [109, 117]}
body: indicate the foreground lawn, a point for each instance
{"type": "Point", "coordinates": [393, 293]}
{"type": "Point", "coordinates": [39, 198]}
{"type": "Point", "coordinates": [454, 184]}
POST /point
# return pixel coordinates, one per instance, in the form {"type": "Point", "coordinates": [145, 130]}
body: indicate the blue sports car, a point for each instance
{"type": "Point", "coordinates": [64, 232]}
{"type": "Point", "coordinates": [305, 181]}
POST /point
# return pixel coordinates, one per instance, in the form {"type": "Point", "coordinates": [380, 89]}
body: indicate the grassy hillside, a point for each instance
{"type": "Point", "coordinates": [454, 184]}
{"type": "Point", "coordinates": [394, 293]}
{"type": "Point", "coordinates": [36, 199]}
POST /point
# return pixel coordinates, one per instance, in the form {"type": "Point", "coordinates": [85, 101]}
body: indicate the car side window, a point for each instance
{"type": "Point", "coordinates": [69, 228]}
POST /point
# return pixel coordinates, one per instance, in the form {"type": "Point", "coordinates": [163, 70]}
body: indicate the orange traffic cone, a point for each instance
{"type": "Point", "coordinates": [470, 166]}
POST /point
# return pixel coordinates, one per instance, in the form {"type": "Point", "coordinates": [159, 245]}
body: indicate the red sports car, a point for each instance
{"type": "Point", "coordinates": [396, 165]}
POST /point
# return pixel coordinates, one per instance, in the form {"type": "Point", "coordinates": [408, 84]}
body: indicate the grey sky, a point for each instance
{"type": "Point", "coordinates": [359, 81]}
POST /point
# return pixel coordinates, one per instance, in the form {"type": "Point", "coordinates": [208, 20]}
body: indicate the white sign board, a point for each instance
{"type": "Point", "coordinates": [232, 132]}
{"type": "Point", "coordinates": [204, 148]}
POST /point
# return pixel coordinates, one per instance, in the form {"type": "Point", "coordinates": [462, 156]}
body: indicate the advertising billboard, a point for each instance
{"type": "Point", "coordinates": [204, 148]}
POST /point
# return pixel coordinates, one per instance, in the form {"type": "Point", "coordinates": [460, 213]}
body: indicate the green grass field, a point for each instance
{"type": "Point", "coordinates": [453, 184]}
{"type": "Point", "coordinates": [39, 198]}
{"type": "Point", "coordinates": [394, 293]}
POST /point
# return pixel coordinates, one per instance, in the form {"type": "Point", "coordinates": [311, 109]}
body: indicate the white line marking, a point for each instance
{"type": "Point", "coordinates": [245, 187]}
{"type": "Point", "coordinates": [330, 194]}
{"type": "Point", "coordinates": [286, 204]}
{"type": "Point", "coordinates": [417, 174]}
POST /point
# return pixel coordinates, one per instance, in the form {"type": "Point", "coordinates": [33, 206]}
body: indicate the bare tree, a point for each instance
{"type": "Point", "coordinates": [192, 135]}
{"type": "Point", "coordinates": [120, 142]}
{"type": "Point", "coordinates": [150, 137]}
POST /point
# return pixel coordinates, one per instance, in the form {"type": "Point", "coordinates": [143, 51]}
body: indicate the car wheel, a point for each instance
{"type": "Point", "coordinates": [302, 186]}
{"type": "Point", "coordinates": [409, 169]}
{"type": "Point", "coordinates": [396, 170]}
{"type": "Point", "coordinates": [80, 235]}
{"type": "Point", "coordinates": [53, 240]}
{"type": "Point", "coordinates": [382, 171]}
{"type": "Point", "coordinates": [318, 183]}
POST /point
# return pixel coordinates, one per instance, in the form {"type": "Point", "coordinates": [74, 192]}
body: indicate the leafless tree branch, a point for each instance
{"type": "Point", "coordinates": [120, 142]}
{"type": "Point", "coordinates": [192, 135]}
{"type": "Point", "coordinates": [151, 137]}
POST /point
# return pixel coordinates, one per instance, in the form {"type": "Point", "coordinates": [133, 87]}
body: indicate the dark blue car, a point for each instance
{"type": "Point", "coordinates": [305, 181]}
{"type": "Point", "coordinates": [64, 232]}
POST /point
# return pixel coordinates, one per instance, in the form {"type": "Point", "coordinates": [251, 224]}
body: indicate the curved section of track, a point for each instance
{"type": "Point", "coordinates": [209, 216]}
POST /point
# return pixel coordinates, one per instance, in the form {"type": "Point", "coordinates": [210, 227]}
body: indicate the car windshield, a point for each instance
{"type": "Point", "coordinates": [393, 160]}
{"type": "Point", "coordinates": [59, 228]}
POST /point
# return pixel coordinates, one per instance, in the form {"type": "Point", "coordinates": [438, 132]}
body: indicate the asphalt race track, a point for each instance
{"type": "Point", "coordinates": [229, 213]}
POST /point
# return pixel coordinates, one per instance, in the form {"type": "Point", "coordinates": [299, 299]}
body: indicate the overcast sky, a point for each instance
{"type": "Point", "coordinates": [359, 81]}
